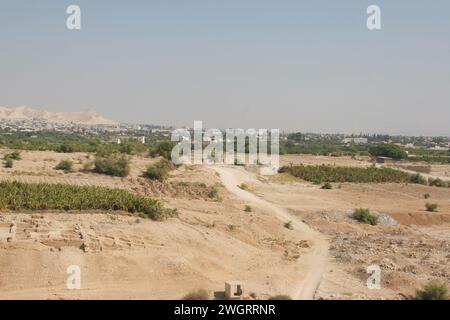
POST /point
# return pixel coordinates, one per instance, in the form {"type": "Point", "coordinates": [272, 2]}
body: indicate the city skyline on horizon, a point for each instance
{"type": "Point", "coordinates": [190, 126]}
{"type": "Point", "coordinates": [298, 66]}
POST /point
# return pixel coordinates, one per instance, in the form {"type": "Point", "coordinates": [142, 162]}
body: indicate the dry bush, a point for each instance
{"type": "Point", "coordinates": [200, 294]}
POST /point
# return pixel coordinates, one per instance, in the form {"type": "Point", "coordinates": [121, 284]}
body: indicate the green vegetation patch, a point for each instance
{"type": "Point", "coordinates": [200, 294]}
{"type": "Point", "coordinates": [327, 186]}
{"type": "Point", "coordinates": [324, 173]}
{"type": "Point", "coordinates": [15, 155]}
{"type": "Point", "coordinates": [433, 291]}
{"type": "Point", "coordinates": [162, 149]}
{"type": "Point", "coordinates": [65, 165]}
{"type": "Point", "coordinates": [438, 183]}
{"type": "Point", "coordinates": [159, 171]}
{"type": "Point", "coordinates": [280, 297]}
{"type": "Point", "coordinates": [419, 179]}
{"type": "Point", "coordinates": [365, 216]}
{"type": "Point", "coordinates": [8, 163]}
{"type": "Point", "coordinates": [388, 150]}
{"type": "Point", "coordinates": [431, 207]}
{"type": "Point", "coordinates": [113, 165]}
{"type": "Point", "coordinates": [42, 196]}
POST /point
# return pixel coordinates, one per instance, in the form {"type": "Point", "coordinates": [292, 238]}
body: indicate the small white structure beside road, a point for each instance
{"type": "Point", "coordinates": [233, 290]}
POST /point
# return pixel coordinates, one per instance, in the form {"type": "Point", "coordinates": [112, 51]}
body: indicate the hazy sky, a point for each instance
{"type": "Point", "coordinates": [307, 65]}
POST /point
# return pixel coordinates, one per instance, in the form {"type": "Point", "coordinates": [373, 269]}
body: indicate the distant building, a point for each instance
{"type": "Point", "coordinates": [438, 148]}
{"type": "Point", "coordinates": [354, 140]}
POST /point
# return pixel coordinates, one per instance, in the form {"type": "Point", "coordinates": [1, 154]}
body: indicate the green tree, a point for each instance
{"type": "Point", "coordinates": [388, 150]}
{"type": "Point", "coordinates": [162, 149]}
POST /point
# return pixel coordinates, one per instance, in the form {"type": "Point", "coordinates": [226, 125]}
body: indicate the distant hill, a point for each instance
{"type": "Point", "coordinates": [87, 116]}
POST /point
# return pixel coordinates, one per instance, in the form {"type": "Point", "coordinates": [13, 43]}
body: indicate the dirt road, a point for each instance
{"type": "Point", "coordinates": [314, 262]}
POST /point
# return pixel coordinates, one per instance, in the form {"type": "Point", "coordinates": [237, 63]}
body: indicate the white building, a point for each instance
{"type": "Point", "coordinates": [355, 140]}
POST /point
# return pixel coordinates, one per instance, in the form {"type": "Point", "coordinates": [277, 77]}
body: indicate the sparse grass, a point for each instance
{"type": "Point", "coordinates": [280, 297]}
{"type": "Point", "coordinates": [113, 165]}
{"type": "Point", "coordinates": [327, 186]}
{"type": "Point", "coordinates": [18, 196]}
{"type": "Point", "coordinates": [197, 189]}
{"type": "Point", "coordinates": [200, 294]}
{"type": "Point", "coordinates": [248, 208]}
{"type": "Point", "coordinates": [288, 225]}
{"type": "Point", "coordinates": [431, 207]}
{"type": "Point", "coordinates": [365, 216]}
{"type": "Point", "coordinates": [65, 165]}
{"type": "Point", "coordinates": [433, 291]}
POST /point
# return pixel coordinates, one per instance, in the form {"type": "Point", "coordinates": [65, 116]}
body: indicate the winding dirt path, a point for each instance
{"type": "Point", "coordinates": [313, 263]}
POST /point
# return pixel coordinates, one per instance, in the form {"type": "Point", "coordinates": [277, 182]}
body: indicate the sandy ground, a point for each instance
{"type": "Point", "coordinates": [212, 241]}
{"type": "Point", "coordinates": [122, 256]}
{"type": "Point", "coordinates": [411, 248]}
{"type": "Point", "coordinates": [314, 262]}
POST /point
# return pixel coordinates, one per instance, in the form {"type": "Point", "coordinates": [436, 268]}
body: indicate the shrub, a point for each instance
{"type": "Point", "coordinates": [15, 155]}
{"type": "Point", "coordinates": [432, 207]}
{"type": "Point", "coordinates": [8, 163]}
{"type": "Point", "coordinates": [433, 291]}
{"type": "Point", "coordinates": [280, 297]}
{"type": "Point", "coordinates": [437, 183]}
{"type": "Point", "coordinates": [364, 216]}
{"type": "Point", "coordinates": [200, 294]}
{"type": "Point", "coordinates": [213, 193]}
{"type": "Point", "coordinates": [158, 171]}
{"type": "Point", "coordinates": [288, 225]}
{"type": "Point", "coordinates": [248, 208]}
{"type": "Point", "coordinates": [243, 186]}
{"type": "Point", "coordinates": [388, 150]}
{"type": "Point", "coordinates": [419, 179]}
{"type": "Point", "coordinates": [113, 165]}
{"type": "Point", "coordinates": [426, 196]}
{"type": "Point", "coordinates": [327, 186]}
{"type": "Point", "coordinates": [65, 148]}
{"type": "Point", "coordinates": [65, 165]}
{"type": "Point", "coordinates": [19, 196]}
{"type": "Point", "coordinates": [132, 147]}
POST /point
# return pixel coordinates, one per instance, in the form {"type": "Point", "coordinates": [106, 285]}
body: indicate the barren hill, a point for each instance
{"type": "Point", "coordinates": [87, 116]}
